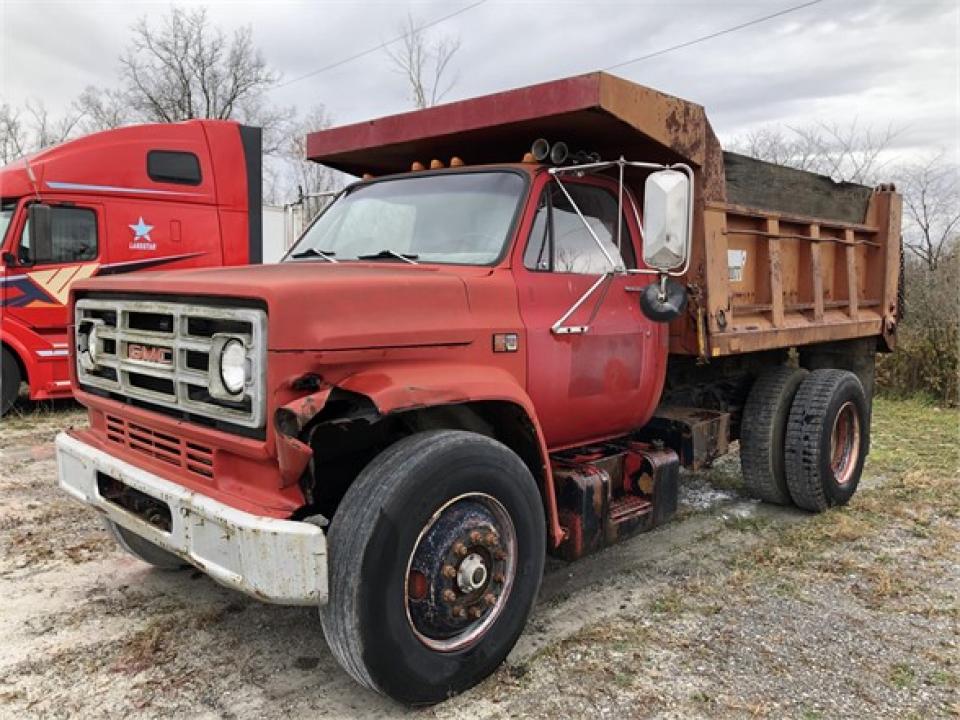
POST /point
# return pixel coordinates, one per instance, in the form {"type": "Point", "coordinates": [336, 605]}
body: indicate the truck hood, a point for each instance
{"type": "Point", "coordinates": [326, 306]}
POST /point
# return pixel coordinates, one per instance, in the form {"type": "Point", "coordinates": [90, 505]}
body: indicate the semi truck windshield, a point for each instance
{"type": "Point", "coordinates": [458, 218]}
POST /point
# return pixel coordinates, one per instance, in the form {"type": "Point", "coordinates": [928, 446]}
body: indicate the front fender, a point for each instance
{"type": "Point", "coordinates": [394, 388]}
{"type": "Point", "coordinates": [407, 386]}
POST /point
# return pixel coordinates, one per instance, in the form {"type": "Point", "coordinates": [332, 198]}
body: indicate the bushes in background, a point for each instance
{"type": "Point", "coordinates": [927, 359]}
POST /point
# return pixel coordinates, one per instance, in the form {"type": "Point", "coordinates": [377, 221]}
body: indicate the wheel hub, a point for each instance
{"type": "Point", "coordinates": [845, 443]}
{"type": "Point", "coordinates": [460, 572]}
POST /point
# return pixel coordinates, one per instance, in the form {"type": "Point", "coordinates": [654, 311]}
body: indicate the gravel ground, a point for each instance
{"type": "Point", "coordinates": [736, 609]}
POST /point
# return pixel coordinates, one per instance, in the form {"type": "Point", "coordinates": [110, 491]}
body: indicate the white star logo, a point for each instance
{"type": "Point", "coordinates": [141, 231]}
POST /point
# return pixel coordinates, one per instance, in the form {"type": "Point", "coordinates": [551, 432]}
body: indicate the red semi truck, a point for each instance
{"type": "Point", "coordinates": [182, 195]}
{"type": "Point", "coordinates": [487, 349]}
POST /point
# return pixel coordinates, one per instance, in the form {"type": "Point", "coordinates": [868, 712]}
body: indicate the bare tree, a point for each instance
{"type": "Point", "coordinates": [14, 136]}
{"type": "Point", "coordinates": [931, 204]}
{"type": "Point", "coordinates": [848, 152]}
{"type": "Point", "coordinates": [288, 175]}
{"type": "Point", "coordinates": [180, 68]}
{"type": "Point", "coordinates": [102, 109]}
{"type": "Point", "coordinates": [424, 63]}
{"type": "Point", "coordinates": [32, 128]}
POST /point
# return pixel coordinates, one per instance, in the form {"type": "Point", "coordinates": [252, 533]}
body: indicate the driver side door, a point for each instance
{"type": "Point", "coordinates": [606, 381]}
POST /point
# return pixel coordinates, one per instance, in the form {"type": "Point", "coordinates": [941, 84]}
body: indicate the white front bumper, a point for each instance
{"type": "Point", "coordinates": [279, 561]}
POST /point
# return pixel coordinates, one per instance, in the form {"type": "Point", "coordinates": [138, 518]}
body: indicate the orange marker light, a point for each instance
{"type": "Point", "coordinates": [417, 166]}
{"type": "Point", "coordinates": [435, 164]}
{"type": "Point", "coordinates": [456, 162]}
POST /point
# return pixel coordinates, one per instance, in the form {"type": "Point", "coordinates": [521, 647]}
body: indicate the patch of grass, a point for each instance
{"type": "Point", "coordinates": [902, 676]}
{"type": "Point", "coordinates": [670, 603]}
{"type": "Point", "coordinates": [913, 435]}
{"type": "Point", "coordinates": [942, 678]}
{"type": "Point", "coordinates": [746, 523]}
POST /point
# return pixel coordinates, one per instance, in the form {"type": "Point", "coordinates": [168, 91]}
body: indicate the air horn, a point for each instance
{"type": "Point", "coordinates": [559, 153]}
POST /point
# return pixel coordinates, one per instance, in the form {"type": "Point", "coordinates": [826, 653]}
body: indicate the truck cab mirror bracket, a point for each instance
{"type": "Point", "coordinates": [666, 235]}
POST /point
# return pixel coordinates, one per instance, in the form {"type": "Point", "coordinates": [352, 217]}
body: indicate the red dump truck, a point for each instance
{"type": "Point", "coordinates": [145, 197]}
{"type": "Point", "coordinates": [503, 341]}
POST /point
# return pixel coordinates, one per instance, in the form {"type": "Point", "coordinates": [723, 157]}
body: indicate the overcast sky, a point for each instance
{"type": "Point", "coordinates": [881, 62]}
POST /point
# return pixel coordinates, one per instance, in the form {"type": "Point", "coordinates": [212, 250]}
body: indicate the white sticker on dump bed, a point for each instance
{"type": "Point", "coordinates": [736, 259]}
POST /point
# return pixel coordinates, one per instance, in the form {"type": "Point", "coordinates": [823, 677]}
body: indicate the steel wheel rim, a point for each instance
{"type": "Point", "coordinates": [431, 617]}
{"type": "Point", "coordinates": [845, 443]}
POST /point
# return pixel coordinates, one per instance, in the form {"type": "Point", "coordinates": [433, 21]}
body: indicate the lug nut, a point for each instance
{"type": "Point", "coordinates": [449, 595]}
{"type": "Point", "coordinates": [449, 571]}
{"type": "Point", "coordinates": [458, 612]}
{"type": "Point", "coordinates": [491, 539]}
{"type": "Point", "coordinates": [498, 578]}
{"type": "Point", "coordinates": [475, 612]}
{"type": "Point", "coordinates": [475, 537]}
{"type": "Point", "coordinates": [460, 549]}
{"type": "Point", "coordinates": [490, 599]}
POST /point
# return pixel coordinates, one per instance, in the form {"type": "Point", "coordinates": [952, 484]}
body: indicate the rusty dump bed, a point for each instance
{"type": "Point", "coordinates": [780, 257]}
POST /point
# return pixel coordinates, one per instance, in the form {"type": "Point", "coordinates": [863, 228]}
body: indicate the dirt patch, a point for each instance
{"type": "Point", "coordinates": [738, 609]}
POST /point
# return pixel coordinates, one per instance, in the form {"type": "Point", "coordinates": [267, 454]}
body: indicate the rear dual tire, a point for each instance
{"type": "Point", "coordinates": [763, 432]}
{"type": "Point", "coordinates": [827, 440]}
{"type": "Point", "coordinates": [804, 437]}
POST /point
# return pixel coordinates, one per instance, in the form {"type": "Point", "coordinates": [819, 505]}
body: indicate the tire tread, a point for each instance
{"type": "Point", "coordinates": [804, 429]}
{"type": "Point", "coordinates": [770, 398]}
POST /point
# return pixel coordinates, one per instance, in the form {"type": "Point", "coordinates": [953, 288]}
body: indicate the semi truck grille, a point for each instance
{"type": "Point", "coordinates": [168, 355]}
{"type": "Point", "coordinates": [189, 456]}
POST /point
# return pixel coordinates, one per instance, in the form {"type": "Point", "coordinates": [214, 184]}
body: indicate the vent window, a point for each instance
{"type": "Point", "coordinates": [173, 167]}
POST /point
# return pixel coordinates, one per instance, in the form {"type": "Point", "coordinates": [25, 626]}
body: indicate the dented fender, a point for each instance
{"type": "Point", "coordinates": [398, 387]}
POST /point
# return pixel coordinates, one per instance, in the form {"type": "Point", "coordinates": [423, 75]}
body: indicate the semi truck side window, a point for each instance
{"type": "Point", "coordinates": [574, 249]}
{"type": "Point", "coordinates": [173, 167]}
{"type": "Point", "coordinates": [74, 237]}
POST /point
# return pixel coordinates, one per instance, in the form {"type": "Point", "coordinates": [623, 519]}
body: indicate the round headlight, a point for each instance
{"type": "Point", "coordinates": [233, 366]}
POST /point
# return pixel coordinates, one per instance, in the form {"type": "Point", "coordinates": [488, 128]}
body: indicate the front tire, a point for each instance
{"type": "Point", "coordinates": [827, 440]}
{"type": "Point", "coordinates": [436, 554]}
{"type": "Point", "coordinates": [9, 381]}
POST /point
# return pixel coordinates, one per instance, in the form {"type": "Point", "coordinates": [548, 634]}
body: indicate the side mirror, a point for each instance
{"type": "Point", "coordinates": [9, 259]}
{"type": "Point", "coordinates": [40, 217]}
{"type": "Point", "coordinates": [666, 220]}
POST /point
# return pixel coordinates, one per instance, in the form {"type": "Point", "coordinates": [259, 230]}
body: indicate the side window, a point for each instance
{"type": "Point", "coordinates": [173, 167]}
{"type": "Point", "coordinates": [570, 247]}
{"type": "Point", "coordinates": [74, 237]}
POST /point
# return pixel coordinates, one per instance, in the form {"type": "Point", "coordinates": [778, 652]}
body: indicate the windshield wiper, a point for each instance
{"type": "Point", "coordinates": [384, 254]}
{"type": "Point", "coordinates": [313, 252]}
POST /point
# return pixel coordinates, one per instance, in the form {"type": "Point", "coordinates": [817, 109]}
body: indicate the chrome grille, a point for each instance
{"type": "Point", "coordinates": [165, 354]}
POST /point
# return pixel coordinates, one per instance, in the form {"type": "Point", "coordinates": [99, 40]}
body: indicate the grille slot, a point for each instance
{"type": "Point", "coordinates": [158, 354]}
{"type": "Point", "coordinates": [189, 456]}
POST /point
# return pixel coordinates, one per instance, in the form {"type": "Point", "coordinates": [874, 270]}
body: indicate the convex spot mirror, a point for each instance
{"type": "Point", "coordinates": [40, 218]}
{"type": "Point", "coordinates": [666, 220]}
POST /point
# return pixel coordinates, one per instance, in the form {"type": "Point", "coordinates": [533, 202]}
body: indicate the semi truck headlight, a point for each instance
{"type": "Point", "coordinates": [233, 366]}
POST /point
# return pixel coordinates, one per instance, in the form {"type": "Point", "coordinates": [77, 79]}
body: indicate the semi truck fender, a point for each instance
{"type": "Point", "coordinates": [404, 387]}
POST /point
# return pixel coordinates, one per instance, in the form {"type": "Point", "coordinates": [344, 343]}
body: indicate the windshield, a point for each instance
{"type": "Point", "coordinates": [461, 218]}
{"type": "Point", "coordinates": [6, 215]}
